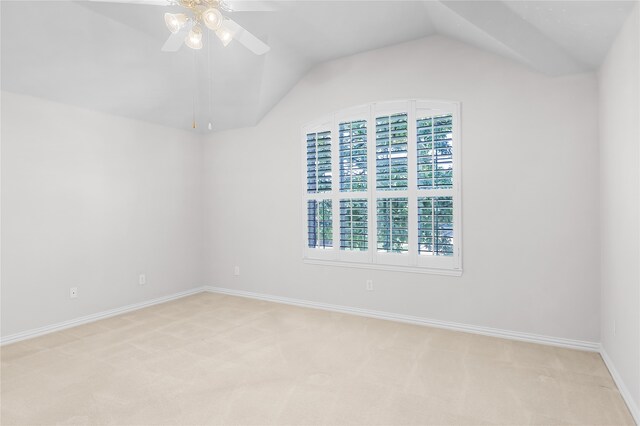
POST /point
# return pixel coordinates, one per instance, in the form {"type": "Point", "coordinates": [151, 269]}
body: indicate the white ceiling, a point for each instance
{"type": "Point", "coordinates": [107, 56]}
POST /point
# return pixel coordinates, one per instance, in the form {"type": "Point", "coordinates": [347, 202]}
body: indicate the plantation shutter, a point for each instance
{"type": "Point", "coordinates": [382, 187]}
{"type": "Point", "coordinates": [319, 224]}
{"type": "Point", "coordinates": [435, 151]}
{"type": "Point", "coordinates": [354, 224]}
{"type": "Point", "coordinates": [393, 225]}
{"type": "Point", "coordinates": [391, 152]}
{"type": "Point", "coordinates": [435, 226]}
{"type": "Point", "coordinates": [319, 162]}
{"type": "Point", "coordinates": [353, 155]}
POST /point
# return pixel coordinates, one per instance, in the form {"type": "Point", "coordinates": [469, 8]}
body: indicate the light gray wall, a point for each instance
{"type": "Point", "coordinates": [530, 193]}
{"type": "Point", "coordinates": [91, 201]}
{"type": "Point", "coordinates": [620, 204]}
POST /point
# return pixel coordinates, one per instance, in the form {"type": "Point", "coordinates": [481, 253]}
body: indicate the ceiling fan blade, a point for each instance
{"type": "Point", "coordinates": [149, 2]}
{"type": "Point", "coordinates": [176, 40]}
{"type": "Point", "coordinates": [245, 38]}
{"type": "Point", "coordinates": [248, 6]}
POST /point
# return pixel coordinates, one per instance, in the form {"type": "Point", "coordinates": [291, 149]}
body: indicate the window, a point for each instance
{"type": "Point", "coordinates": [320, 226]}
{"type": "Point", "coordinates": [392, 162]}
{"type": "Point", "coordinates": [319, 162]}
{"type": "Point", "coordinates": [353, 156]}
{"type": "Point", "coordinates": [395, 203]}
{"type": "Point", "coordinates": [354, 234]}
{"type": "Point", "coordinates": [393, 225]}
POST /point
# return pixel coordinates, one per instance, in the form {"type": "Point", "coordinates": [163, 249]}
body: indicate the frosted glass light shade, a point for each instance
{"type": "Point", "coordinates": [212, 18]}
{"type": "Point", "coordinates": [224, 35]}
{"type": "Point", "coordinates": [175, 21]}
{"type": "Point", "coordinates": [194, 39]}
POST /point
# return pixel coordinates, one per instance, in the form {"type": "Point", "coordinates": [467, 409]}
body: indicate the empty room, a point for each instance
{"type": "Point", "coordinates": [243, 212]}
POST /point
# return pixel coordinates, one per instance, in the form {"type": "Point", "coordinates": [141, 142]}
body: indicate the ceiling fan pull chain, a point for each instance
{"type": "Point", "coordinates": [195, 78]}
{"type": "Point", "coordinates": [210, 79]}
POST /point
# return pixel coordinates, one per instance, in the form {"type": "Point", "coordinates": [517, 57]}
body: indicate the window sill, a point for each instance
{"type": "Point", "coordinates": [380, 267]}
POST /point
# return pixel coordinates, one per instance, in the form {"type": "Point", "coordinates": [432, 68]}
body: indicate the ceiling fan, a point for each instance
{"type": "Point", "coordinates": [187, 27]}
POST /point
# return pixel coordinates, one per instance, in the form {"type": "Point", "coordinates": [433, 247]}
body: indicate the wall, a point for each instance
{"type": "Point", "coordinates": [91, 201]}
{"type": "Point", "coordinates": [620, 206]}
{"type": "Point", "coordinates": [530, 198]}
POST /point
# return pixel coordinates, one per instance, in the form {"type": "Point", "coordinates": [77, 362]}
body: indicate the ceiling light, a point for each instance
{"type": "Point", "coordinates": [194, 39]}
{"type": "Point", "coordinates": [175, 21]}
{"type": "Point", "coordinates": [224, 34]}
{"type": "Point", "coordinates": [212, 18]}
{"type": "Point", "coordinates": [208, 15]}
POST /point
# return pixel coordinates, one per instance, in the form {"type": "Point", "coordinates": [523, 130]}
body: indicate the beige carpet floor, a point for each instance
{"type": "Point", "coordinates": [214, 359]}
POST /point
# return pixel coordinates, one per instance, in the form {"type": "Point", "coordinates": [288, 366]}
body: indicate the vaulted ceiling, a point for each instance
{"type": "Point", "coordinates": [107, 57]}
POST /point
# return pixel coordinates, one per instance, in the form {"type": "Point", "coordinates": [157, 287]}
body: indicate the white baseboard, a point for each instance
{"type": "Point", "coordinates": [624, 391]}
{"type": "Point", "coordinates": [487, 331]}
{"type": "Point", "coordinates": [29, 334]}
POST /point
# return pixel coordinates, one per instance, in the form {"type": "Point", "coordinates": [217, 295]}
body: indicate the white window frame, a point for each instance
{"type": "Point", "coordinates": [372, 258]}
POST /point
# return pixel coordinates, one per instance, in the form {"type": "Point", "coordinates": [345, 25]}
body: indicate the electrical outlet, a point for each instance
{"type": "Point", "coordinates": [142, 279]}
{"type": "Point", "coordinates": [73, 292]}
{"type": "Point", "coordinates": [236, 271]}
{"type": "Point", "coordinates": [369, 285]}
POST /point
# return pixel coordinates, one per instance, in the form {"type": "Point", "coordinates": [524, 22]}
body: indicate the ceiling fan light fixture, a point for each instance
{"type": "Point", "coordinates": [194, 39]}
{"type": "Point", "coordinates": [175, 21]}
{"type": "Point", "coordinates": [224, 35]}
{"type": "Point", "coordinates": [212, 18]}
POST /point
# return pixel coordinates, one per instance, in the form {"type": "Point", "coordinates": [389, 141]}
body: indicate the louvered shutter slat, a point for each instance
{"type": "Point", "coordinates": [393, 225]}
{"type": "Point", "coordinates": [391, 152]}
{"type": "Point", "coordinates": [435, 152]}
{"type": "Point", "coordinates": [435, 226]}
{"type": "Point", "coordinates": [353, 224]}
{"type": "Point", "coordinates": [319, 162]}
{"type": "Point", "coordinates": [319, 224]}
{"type": "Point", "coordinates": [353, 155]}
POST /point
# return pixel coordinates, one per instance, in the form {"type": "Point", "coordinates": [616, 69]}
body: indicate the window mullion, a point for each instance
{"type": "Point", "coordinates": [457, 175]}
{"type": "Point", "coordinates": [371, 185]}
{"type": "Point", "coordinates": [412, 190]}
{"type": "Point", "coordinates": [389, 154]}
{"type": "Point", "coordinates": [335, 187]}
{"type": "Point", "coordinates": [433, 152]}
